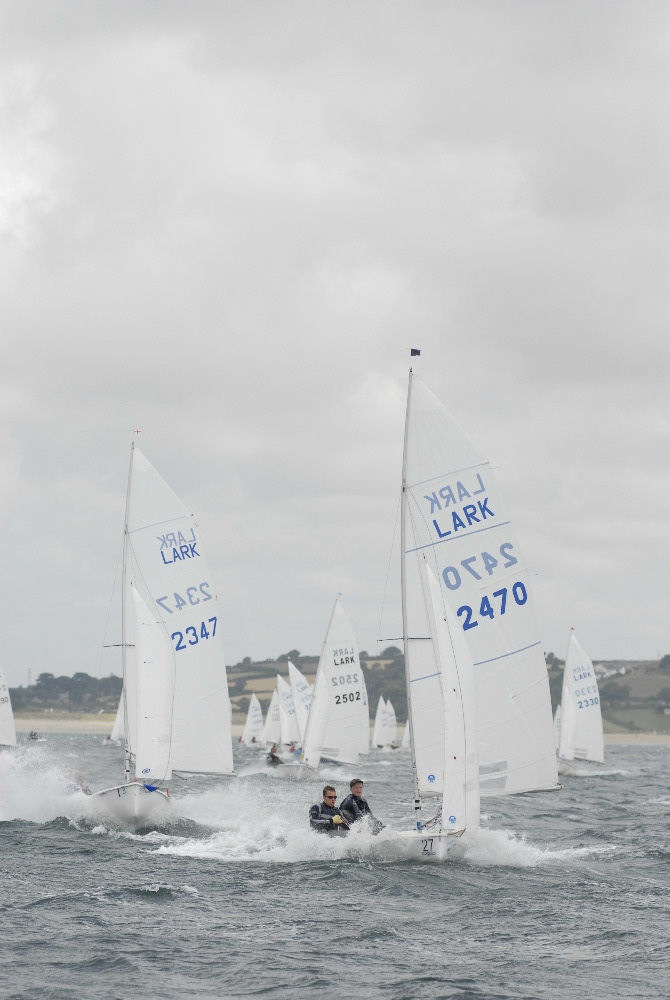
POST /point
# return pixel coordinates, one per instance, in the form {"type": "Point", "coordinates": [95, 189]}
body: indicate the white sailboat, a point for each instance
{"type": "Point", "coordinates": [288, 722]}
{"type": "Point", "coordinates": [377, 728]}
{"type": "Point", "coordinates": [176, 704]}
{"type": "Point", "coordinates": [404, 743]}
{"type": "Point", "coordinates": [385, 729]}
{"type": "Point", "coordinates": [441, 685]}
{"type": "Point", "coordinates": [119, 727]}
{"type": "Point", "coordinates": [252, 734]}
{"type": "Point", "coordinates": [302, 698]}
{"type": "Point", "coordinates": [580, 717]}
{"type": "Point", "coordinates": [272, 727]}
{"type": "Point", "coordinates": [7, 726]}
{"type": "Point", "coordinates": [455, 521]}
{"type": "Point", "coordinates": [391, 725]}
{"type": "Point", "coordinates": [338, 725]}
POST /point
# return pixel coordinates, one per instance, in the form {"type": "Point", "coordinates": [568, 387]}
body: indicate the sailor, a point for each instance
{"type": "Point", "coordinates": [324, 817]}
{"type": "Point", "coordinates": [355, 807]}
{"type": "Point", "coordinates": [272, 758]}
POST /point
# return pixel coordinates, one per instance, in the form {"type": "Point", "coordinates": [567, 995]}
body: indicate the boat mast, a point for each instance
{"type": "Point", "coordinates": [124, 623]}
{"type": "Point", "coordinates": [403, 584]}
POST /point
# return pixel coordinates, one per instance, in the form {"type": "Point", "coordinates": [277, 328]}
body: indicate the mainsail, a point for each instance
{"type": "Point", "coordinates": [390, 723]}
{"type": "Point", "coordinates": [339, 724]}
{"type": "Point", "coordinates": [302, 697]}
{"type": "Point", "coordinates": [385, 729]}
{"type": "Point", "coordinates": [167, 565]}
{"type": "Point", "coordinates": [253, 727]}
{"type": "Point", "coordinates": [7, 727]}
{"type": "Point", "coordinates": [288, 722]}
{"type": "Point", "coordinates": [272, 727]}
{"type": "Point", "coordinates": [378, 727]}
{"type": "Point", "coordinates": [454, 520]}
{"type": "Point", "coordinates": [581, 724]}
{"type": "Point", "coordinates": [119, 728]}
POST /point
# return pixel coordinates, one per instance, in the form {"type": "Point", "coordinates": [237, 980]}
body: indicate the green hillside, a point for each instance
{"type": "Point", "coordinates": [635, 694]}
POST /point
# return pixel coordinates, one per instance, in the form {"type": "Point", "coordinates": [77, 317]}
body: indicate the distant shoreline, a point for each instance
{"type": "Point", "coordinates": [75, 723]}
{"type": "Point", "coordinates": [82, 723]}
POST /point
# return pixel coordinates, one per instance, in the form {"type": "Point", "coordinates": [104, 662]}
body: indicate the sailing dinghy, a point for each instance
{"type": "Point", "coordinates": [252, 734]}
{"type": "Point", "coordinates": [441, 689]}
{"type": "Point", "coordinates": [455, 520]}
{"type": "Point", "coordinates": [302, 698]}
{"type": "Point", "coordinates": [580, 721]}
{"type": "Point", "coordinates": [272, 727]}
{"type": "Point", "coordinates": [385, 729]}
{"type": "Point", "coordinates": [175, 691]}
{"type": "Point", "coordinates": [119, 727]}
{"type": "Point", "coordinates": [7, 726]}
{"type": "Point", "coordinates": [338, 725]}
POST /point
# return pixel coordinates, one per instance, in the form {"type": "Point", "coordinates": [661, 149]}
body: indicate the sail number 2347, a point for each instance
{"type": "Point", "coordinates": [192, 634]}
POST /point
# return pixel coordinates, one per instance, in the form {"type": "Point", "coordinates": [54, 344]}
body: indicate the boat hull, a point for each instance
{"type": "Point", "coordinates": [133, 806]}
{"type": "Point", "coordinates": [578, 767]}
{"type": "Point", "coordinates": [424, 845]}
{"type": "Point", "coordinates": [296, 772]}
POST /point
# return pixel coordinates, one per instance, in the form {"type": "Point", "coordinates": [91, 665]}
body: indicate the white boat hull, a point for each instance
{"type": "Point", "coordinates": [133, 806]}
{"type": "Point", "coordinates": [425, 845]}
{"type": "Point", "coordinates": [578, 767]}
{"type": "Point", "coordinates": [296, 771]}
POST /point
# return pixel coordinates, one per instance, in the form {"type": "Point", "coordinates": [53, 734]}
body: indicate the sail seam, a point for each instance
{"type": "Point", "coordinates": [426, 677]}
{"type": "Point", "coordinates": [155, 524]}
{"type": "Point", "coordinates": [431, 545]}
{"type": "Point", "coordinates": [502, 656]}
{"type": "Point", "coordinates": [449, 472]}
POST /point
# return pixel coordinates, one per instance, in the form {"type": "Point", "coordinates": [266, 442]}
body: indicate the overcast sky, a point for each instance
{"type": "Point", "coordinates": [225, 223]}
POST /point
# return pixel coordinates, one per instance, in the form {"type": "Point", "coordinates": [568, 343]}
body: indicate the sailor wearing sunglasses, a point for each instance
{"type": "Point", "coordinates": [324, 817]}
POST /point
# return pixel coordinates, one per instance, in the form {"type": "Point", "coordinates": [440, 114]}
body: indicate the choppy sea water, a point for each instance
{"type": "Point", "coordinates": [560, 895]}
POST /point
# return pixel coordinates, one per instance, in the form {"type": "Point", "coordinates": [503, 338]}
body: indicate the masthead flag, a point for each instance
{"type": "Point", "coordinates": [414, 352]}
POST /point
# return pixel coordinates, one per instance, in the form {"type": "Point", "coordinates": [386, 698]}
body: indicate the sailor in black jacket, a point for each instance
{"type": "Point", "coordinates": [324, 817]}
{"type": "Point", "coordinates": [355, 807]}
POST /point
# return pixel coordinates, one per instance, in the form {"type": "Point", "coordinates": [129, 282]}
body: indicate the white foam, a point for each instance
{"type": "Point", "coordinates": [504, 848]}
{"type": "Point", "coordinates": [36, 789]}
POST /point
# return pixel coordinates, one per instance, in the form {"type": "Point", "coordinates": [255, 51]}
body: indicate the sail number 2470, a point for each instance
{"type": "Point", "coordinates": [491, 609]}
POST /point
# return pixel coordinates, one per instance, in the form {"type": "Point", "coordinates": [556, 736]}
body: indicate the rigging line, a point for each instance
{"type": "Point", "coordinates": [109, 612]}
{"type": "Point", "coordinates": [388, 569]}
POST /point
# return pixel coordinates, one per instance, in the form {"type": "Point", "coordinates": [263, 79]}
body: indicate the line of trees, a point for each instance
{"type": "Point", "coordinates": [79, 693]}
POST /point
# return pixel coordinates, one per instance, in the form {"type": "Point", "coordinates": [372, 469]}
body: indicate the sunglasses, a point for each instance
{"type": "Point", "coordinates": [330, 796]}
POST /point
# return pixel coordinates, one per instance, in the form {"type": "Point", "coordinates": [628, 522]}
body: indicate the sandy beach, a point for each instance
{"type": "Point", "coordinates": [81, 723]}
{"type": "Point", "coordinates": [76, 723]}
